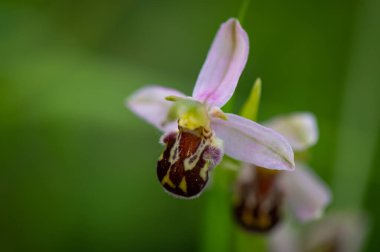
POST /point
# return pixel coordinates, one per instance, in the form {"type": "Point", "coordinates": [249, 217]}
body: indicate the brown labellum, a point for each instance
{"type": "Point", "coordinates": [188, 157]}
{"type": "Point", "coordinates": [258, 200]}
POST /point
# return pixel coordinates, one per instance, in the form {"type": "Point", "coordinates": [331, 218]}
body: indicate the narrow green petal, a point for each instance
{"type": "Point", "coordinates": [251, 106]}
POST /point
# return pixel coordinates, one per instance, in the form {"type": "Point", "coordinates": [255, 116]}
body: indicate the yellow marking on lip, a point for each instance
{"type": "Point", "coordinates": [203, 171]}
{"type": "Point", "coordinates": [189, 166]}
{"type": "Point", "coordinates": [264, 221]}
{"type": "Point", "coordinates": [247, 217]}
{"type": "Point", "coordinates": [183, 185]}
{"type": "Point", "coordinates": [172, 158]}
{"type": "Point", "coordinates": [166, 180]}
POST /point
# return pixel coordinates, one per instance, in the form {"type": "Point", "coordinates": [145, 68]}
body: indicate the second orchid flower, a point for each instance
{"type": "Point", "coordinates": [260, 194]}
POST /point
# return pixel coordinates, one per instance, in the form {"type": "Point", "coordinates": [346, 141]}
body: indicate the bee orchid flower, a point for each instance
{"type": "Point", "coordinates": [261, 194]}
{"type": "Point", "coordinates": [337, 231]}
{"type": "Point", "coordinates": [197, 132]}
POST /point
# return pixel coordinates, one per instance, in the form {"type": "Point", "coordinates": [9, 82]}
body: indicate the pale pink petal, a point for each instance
{"type": "Point", "coordinates": [149, 103]}
{"type": "Point", "coordinates": [300, 129]}
{"type": "Point", "coordinates": [250, 142]}
{"type": "Point", "coordinates": [285, 238]}
{"type": "Point", "coordinates": [224, 64]}
{"type": "Point", "coordinates": [306, 194]}
{"type": "Point", "coordinates": [344, 231]}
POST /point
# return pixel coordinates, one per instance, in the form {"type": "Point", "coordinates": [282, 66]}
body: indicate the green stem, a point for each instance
{"type": "Point", "coordinates": [360, 121]}
{"type": "Point", "coordinates": [244, 241]}
{"type": "Point", "coordinates": [247, 242]}
{"type": "Point", "coordinates": [217, 222]}
{"type": "Point", "coordinates": [218, 227]}
{"type": "Point", "coordinates": [243, 11]}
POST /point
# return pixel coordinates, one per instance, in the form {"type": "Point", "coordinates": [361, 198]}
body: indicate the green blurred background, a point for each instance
{"type": "Point", "coordinates": [77, 170]}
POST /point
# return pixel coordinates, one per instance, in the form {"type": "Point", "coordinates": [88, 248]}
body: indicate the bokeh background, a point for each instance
{"type": "Point", "coordinates": [77, 169]}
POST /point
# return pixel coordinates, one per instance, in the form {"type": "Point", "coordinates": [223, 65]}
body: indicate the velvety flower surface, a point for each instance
{"type": "Point", "coordinates": [197, 132]}
{"type": "Point", "coordinates": [261, 194]}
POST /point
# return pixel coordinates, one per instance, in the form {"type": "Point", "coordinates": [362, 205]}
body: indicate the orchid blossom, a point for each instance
{"type": "Point", "coordinates": [261, 193]}
{"type": "Point", "coordinates": [197, 132]}
{"type": "Point", "coordinates": [338, 231]}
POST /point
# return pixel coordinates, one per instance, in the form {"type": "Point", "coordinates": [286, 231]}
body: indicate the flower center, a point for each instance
{"type": "Point", "coordinates": [191, 114]}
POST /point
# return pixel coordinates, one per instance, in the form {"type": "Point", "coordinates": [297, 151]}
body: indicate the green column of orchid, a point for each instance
{"type": "Point", "coordinates": [245, 241]}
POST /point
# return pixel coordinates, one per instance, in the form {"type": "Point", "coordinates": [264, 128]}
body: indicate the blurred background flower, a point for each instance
{"type": "Point", "coordinates": [260, 195]}
{"type": "Point", "coordinates": [77, 171]}
{"type": "Point", "coordinates": [337, 231]}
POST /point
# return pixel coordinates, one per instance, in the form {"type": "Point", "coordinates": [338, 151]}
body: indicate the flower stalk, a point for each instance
{"type": "Point", "coordinates": [245, 241]}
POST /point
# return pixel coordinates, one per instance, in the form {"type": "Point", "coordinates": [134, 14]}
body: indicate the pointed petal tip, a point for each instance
{"type": "Point", "coordinates": [224, 64]}
{"type": "Point", "coordinates": [288, 164]}
{"type": "Point", "coordinates": [234, 22]}
{"type": "Point", "coordinates": [292, 165]}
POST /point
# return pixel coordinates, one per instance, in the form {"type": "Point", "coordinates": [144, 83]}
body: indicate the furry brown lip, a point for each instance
{"type": "Point", "coordinates": [188, 157]}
